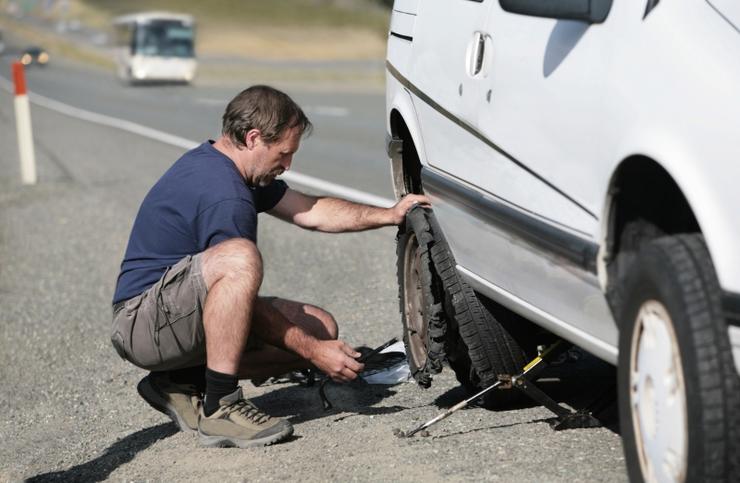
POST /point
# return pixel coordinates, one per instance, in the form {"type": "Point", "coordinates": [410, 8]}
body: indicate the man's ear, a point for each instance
{"type": "Point", "coordinates": [251, 138]}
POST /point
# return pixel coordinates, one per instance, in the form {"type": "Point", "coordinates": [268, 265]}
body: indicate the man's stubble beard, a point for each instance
{"type": "Point", "coordinates": [266, 179]}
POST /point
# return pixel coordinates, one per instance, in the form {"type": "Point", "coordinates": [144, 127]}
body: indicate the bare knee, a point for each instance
{"type": "Point", "coordinates": [330, 326]}
{"type": "Point", "coordinates": [237, 260]}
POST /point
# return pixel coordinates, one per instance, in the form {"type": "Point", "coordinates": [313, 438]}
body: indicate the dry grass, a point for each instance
{"type": "Point", "coordinates": [282, 43]}
{"type": "Point", "coordinates": [55, 44]}
{"type": "Point", "coordinates": [261, 29]}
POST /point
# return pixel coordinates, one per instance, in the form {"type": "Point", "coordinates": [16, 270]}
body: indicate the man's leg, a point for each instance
{"type": "Point", "coordinates": [268, 360]}
{"type": "Point", "coordinates": [232, 272]}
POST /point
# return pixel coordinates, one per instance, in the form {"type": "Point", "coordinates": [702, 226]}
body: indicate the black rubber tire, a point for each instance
{"type": "Point", "coordinates": [492, 351]}
{"type": "Point", "coordinates": [677, 272]}
{"type": "Point", "coordinates": [426, 351]}
{"type": "Point", "coordinates": [476, 346]}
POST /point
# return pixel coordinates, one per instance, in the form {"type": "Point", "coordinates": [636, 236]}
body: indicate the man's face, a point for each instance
{"type": "Point", "coordinates": [271, 160]}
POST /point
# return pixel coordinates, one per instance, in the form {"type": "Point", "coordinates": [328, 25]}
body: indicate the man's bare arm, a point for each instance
{"type": "Point", "coordinates": [335, 215]}
{"type": "Point", "coordinates": [333, 357]}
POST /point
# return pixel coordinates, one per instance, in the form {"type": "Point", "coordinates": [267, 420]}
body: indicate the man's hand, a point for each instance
{"type": "Point", "coordinates": [405, 204]}
{"type": "Point", "coordinates": [336, 359]}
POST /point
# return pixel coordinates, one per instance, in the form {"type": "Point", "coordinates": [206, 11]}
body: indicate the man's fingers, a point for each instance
{"type": "Point", "coordinates": [355, 366]}
{"type": "Point", "coordinates": [347, 349]}
{"type": "Point", "coordinates": [345, 375]}
{"type": "Point", "coordinates": [409, 201]}
{"type": "Point", "coordinates": [349, 374]}
{"type": "Point", "coordinates": [417, 199]}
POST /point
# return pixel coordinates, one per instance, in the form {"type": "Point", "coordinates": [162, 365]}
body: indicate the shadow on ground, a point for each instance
{"type": "Point", "coordinates": [300, 403]}
{"type": "Point", "coordinates": [119, 453]}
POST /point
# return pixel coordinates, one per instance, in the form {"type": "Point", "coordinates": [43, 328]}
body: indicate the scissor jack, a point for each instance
{"type": "Point", "coordinates": [564, 417]}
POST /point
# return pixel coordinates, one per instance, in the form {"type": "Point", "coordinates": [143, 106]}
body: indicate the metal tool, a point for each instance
{"type": "Point", "coordinates": [322, 391]}
{"type": "Point", "coordinates": [454, 408]}
{"type": "Point", "coordinates": [566, 419]}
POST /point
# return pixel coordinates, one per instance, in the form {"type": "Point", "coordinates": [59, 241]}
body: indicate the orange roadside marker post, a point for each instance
{"type": "Point", "coordinates": [23, 126]}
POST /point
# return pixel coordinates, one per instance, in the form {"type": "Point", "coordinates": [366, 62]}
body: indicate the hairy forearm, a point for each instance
{"type": "Point", "coordinates": [335, 215]}
{"type": "Point", "coordinates": [275, 329]}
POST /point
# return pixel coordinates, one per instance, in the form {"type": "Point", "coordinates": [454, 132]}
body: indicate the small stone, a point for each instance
{"type": "Point", "coordinates": [424, 433]}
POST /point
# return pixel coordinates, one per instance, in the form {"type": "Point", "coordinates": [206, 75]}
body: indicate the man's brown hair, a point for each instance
{"type": "Point", "coordinates": [264, 108]}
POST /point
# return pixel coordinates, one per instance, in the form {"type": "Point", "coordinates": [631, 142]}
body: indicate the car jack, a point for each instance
{"type": "Point", "coordinates": [564, 417]}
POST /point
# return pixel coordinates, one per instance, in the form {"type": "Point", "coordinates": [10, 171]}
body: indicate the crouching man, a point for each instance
{"type": "Point", "coordinates": [187, 304]}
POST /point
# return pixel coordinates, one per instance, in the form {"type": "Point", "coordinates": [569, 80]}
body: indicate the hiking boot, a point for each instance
{"type": "Point", "coordinates": [178, 401]}
{"type": "Point", "coordinates": [238, 422]}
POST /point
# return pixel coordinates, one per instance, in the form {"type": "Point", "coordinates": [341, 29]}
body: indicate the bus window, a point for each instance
{"type": "Point", "coordinates": [164, 39]}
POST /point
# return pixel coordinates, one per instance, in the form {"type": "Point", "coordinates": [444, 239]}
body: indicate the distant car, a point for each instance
{"type": "Point", "coordinates": [34, 55]}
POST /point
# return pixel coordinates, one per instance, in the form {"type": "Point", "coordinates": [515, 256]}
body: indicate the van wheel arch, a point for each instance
{"type": "Point", "coordinates": [644, 203]}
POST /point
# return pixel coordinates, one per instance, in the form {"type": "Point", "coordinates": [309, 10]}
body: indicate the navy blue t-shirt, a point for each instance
{"type": "Point", "coordinates": [200, 201]}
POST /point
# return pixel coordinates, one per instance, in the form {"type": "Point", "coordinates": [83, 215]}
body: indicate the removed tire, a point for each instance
{"type": "Point", "coordinates": [679, 393]}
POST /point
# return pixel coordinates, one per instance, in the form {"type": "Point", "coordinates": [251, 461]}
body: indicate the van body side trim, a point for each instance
{"type": "Point", "coordinates": [556, 241]}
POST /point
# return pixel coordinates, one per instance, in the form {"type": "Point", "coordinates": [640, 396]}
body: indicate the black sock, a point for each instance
{"type": "Point", "coordinates": [218, 385]}
{"type": "Point", "coordinates": [190, 375]}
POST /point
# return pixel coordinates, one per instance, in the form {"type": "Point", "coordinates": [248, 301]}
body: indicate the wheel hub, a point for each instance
{"type": "Point", "coordinates": [658, 396]}
{"type": "Point", "coordinates": [414, 303]}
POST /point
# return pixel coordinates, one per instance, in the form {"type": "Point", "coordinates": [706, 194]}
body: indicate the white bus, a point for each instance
{"type": "Point", "coordinates": [155, 46]}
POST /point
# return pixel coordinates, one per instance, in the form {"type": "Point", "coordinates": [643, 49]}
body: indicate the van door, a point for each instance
{"type": "Point", "coordinates": [446, 70]}
{"type": "Point", "coordinates": [542, 99]}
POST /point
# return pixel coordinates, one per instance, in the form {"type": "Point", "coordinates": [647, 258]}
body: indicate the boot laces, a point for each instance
{"type": "Point", "coordinates": [247, 409]}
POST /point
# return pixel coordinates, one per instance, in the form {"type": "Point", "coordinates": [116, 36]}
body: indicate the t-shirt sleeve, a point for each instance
{"type": "Point", "coordinates": [235, 218]}
{"type": "Point", "coordinates": [267, 197]}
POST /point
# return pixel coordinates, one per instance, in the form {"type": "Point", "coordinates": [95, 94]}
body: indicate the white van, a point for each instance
{"type": "Point", "coordinates": [583, 159]}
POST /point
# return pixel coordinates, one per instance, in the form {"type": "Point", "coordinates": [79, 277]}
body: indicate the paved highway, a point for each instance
{"type": "Point", "coordinates": [347, 146]}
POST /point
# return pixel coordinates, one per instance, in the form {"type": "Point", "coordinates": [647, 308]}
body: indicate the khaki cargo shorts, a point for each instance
{"type": "Point", "coordinates": [162, 328]}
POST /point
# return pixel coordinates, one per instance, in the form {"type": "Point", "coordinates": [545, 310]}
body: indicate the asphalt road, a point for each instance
{"type": "Point", "coordinates": [347, 146]}
{"type": "Point", "coordinates": [70, 411]}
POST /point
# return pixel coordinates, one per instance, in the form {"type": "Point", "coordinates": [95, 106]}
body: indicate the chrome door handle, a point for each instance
{"type": "Point", "coordinates": [477, 54]}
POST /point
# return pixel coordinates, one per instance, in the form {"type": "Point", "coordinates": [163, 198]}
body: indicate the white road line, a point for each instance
{"type": "Point", "coordinates": [209, 101]}
{"type": "Point", "coordinates": [328, 111]}
{"type": "Point", "coordinates": [132, 127]}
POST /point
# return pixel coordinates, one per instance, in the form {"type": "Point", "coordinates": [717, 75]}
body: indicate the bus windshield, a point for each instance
{"type": "Point", "coordinates": [164, 38]}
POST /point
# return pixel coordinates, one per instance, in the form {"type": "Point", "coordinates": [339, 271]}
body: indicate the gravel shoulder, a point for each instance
{"type": "Point", "coordinates": [71, 411]}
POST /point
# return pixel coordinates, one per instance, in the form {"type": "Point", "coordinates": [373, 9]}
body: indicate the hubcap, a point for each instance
{"type": "Point", "coordinates": [414, 303]}
{"type": "Point", "coordinates": [658, 396]}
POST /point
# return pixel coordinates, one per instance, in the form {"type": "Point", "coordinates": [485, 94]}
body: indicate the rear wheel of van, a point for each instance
{"type": "Point", "coordinates": [679, 392]}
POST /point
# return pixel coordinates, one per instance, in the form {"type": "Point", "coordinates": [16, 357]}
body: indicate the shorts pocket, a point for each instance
{"type": "Point", "coordinates": [178, 329]}
{"type": "Point", "coordinates": [118, 344]}
{"type": "Point", "coordinates": [122, 329]}
{"type": "Point", "coordinates": [178, 297]}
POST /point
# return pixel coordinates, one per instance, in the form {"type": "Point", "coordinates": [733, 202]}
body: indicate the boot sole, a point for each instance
{"type": "Point", "coordinates": [155, 401]}
{"type": "Point", "coordinates": [226, 442]}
